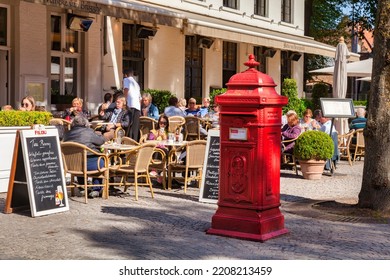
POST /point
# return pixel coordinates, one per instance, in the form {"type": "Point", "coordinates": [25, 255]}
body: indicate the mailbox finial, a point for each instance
{"type": "Point", "coordinates": [251, 63]}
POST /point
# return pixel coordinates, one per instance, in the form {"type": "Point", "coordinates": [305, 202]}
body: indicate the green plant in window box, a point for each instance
{"type": "Point", "coordinates": [23, 118]}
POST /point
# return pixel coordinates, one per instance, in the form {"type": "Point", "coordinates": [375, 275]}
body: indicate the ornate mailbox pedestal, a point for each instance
{"type": "Point", "coordinates": [249, 190]}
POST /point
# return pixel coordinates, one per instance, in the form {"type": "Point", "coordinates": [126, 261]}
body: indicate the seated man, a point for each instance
{"type": "Point", "coordinates": [117, 117]}
{"type": "Point", "coordinates": [360, 121]}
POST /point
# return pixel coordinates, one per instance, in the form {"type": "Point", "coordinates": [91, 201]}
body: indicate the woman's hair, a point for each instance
{"type": "Point", "coordinates": [292, 116]}
{"type": "Point", "coordinates": [148, 96]}
{"type": "Point", "coordinates": [31, 100]}
{"type": "Point", "coordinates": [191, 100]}
{"type": "Point", "coordinates": [163, 117]}
{"type": "Point", "coordinates": [79, 100]}
{"type": "Point", "coordinates": [308, 112]}
{"type": "Point", "coordinates": [182, 102]}
{"type": "Point", "coordinates": [107, 97]}
{"type": "Point", "coordinates": [123, 98]}
{"type": "Point", "coordinates": [80, 120]}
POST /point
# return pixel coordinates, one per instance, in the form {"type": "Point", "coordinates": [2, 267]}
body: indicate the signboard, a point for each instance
{"type": "Point", "coordinates": [37, 178]}
{"type": "Point", "coordinates": [210, 177]}
{"type": "Point", "coordinates": [337, 107]}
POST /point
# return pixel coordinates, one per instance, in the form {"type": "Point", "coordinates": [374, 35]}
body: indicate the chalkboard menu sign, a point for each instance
{"type": "Point", "coordinates": [37, 170]}
{"type": "Point", "coordinates": [210, 179]}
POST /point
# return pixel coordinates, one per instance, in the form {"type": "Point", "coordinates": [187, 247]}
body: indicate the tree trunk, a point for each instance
{"type": "Point", "coordinates": [375, 191]}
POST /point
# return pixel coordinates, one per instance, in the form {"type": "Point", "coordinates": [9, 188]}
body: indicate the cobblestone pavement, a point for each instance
{"type": "Point", "coordinates": [173, 225]}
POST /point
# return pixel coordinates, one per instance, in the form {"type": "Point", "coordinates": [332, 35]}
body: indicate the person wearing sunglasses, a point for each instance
{"type": "Point", "coordinates": [161, 131]}
{"type": "Point", "coordinates": [27, 104]}
{"type": "Point", "coordinates": [307, 120]}
{"type": "Point", "coordinates": [192, 108]}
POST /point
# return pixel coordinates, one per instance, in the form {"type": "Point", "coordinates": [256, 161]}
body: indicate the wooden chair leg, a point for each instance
{"type": "Point", "coordinates": [136, 185]}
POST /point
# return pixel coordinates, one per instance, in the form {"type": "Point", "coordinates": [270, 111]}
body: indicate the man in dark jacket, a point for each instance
{"type": "Point", "coordinates": [117, 117]}
{"type": "Point", "coordinates": [80, 132]}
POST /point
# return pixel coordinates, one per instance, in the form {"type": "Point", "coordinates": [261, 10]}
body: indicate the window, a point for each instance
{"type": "Point", "coordinates": [229, 60]}
{"type": "Point", "coordinates": [260, 56]}
{"type": "Point", "coordinates": [193, 68]}
{"type": "Point", "coordinates": [3, 26]}
{"type": "Point", "coordinates": [261, 8]}
{"type": "Point", "coordinates": [285, 67]}
{"type": "Point", "coordinates": [230, 4]}
{"type": "Point", "coordinates": [286, 11]}
{"type": "Point", "coordinates": [133, 52]}
{"type": "Point", "coordinates": [65, 59]}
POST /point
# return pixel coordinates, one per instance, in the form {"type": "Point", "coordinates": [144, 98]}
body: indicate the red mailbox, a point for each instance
{"type": "Point", "coordinates": [249, 183]}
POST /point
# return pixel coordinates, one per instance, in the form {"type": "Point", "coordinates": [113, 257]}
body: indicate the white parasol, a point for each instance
{"type": "Point", "coordinates": [340, 81]}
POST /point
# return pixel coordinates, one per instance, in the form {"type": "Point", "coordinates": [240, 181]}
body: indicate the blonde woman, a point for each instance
{"type": "Point", "coordinates": [291, 130]}
{"type": "Point", "coordinates": [77, 108]}
{"type": "Point", "coordinates": [27, 104]}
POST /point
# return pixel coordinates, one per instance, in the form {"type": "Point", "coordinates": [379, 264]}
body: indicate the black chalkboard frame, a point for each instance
{"type": "Point", "coordinates": [42, 136]}
{"type": "Point", "coordinates": [203, 194]}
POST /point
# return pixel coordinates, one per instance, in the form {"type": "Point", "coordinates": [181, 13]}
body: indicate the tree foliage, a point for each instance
{"type": "Point", "coordinates": [290, 90]}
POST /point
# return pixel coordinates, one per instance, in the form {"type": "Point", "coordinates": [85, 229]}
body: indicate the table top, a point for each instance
{"type": "Point", "coordinates": [115, 146]}
{"type": "Point", "coordinates": [168, 143]}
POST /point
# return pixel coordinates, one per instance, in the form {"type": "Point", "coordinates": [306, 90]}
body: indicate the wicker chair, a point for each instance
{"type": "Point", "coordinates": [344, 142]}
{"type": "Point", "coordinates": [288, 159]}
{"type": "Point", "coordinates": [74, 156]}
{"type": "Point", "coordinates": [193, 165]}
{"type": "Point", "coordinates": [127, 167]}
{"type": "Point", "coordinates": [61, 124]}
{"type": "Point", "coordinates": [192, 129]}
{"type": "Point", "coordinates": [176, 122]}
{"type": "Point", "coordinates": [159, 164]}
{"type": "Point", "coordinates": [146, 124]}
{"type": "Point", "coordinates": [358, 148]}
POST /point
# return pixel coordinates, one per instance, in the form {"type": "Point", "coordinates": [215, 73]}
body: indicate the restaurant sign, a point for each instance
{"type": "Point", "coordinates": [84, 6]}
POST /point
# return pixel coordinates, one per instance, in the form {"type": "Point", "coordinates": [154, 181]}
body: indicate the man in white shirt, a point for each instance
{"type": "Point", "coordinates": [132, 91]}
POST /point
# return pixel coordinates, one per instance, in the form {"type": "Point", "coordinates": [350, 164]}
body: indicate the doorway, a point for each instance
{"type": "Point", "coordinates": [4, 98]}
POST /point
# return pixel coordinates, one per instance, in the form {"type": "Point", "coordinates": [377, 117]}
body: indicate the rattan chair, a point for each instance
{"type": "Point", "coordinates": [61, 124]}
{"type": "Point", "coordinates": [357, 149]}
{"type": "Point", "coordinates": [176, 122]}
{"type": "Point", "coordinates": [137, 169]}
{"type": "Point", "coordinates": [192, 129]}
{"type": "Point", "coordinates": [191, 168]}
{"type": "Point", "coordinates": [74, 156]}
{"type": "Point", "coordinates": [344, 142]}
{"type": "Point", "coordinates": [159, 164]}
{"type": "Point", "coordinates": [288, 159]}
{"type": "Point", "coordinates": [146, 124]}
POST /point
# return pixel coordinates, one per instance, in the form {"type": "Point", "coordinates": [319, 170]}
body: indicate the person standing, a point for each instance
{"type": "Point", "coordinates": [132, 91]}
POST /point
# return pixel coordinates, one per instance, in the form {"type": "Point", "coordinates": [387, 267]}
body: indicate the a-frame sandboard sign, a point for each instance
{"type": "Point", "coordinates": [37, 179]}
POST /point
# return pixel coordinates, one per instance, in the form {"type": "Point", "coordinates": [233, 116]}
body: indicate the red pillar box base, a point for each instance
{"type": "Point", "coordinates": [248, 224]}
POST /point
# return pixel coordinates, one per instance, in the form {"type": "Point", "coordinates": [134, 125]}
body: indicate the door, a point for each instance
{"type": "Point", "coordinates": [4, 98]}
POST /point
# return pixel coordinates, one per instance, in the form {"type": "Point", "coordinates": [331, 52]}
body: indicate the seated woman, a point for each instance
{"type": "Point", "coordinates": [27, 104]}
{"type": "Point", "coordinates": [80, 132]}
{"type": "Point", "coordinates": [161, 131]}
{"type": "Point", "coordinates": [117, 117]}
{"type": "Point", "coordinates": [148, 109]}
{"type": "Point", "coordinates": [76, 109]}
{"type": "Point", "coordinates": [306, 122]}
{"type": "Point", "coordinates": [291, 130]}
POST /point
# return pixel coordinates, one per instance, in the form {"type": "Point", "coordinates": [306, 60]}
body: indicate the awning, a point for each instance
{"type": "Point", "coordinates": [119, 9]}
{"type": "Point", "coordinates": [362, 68]}
{"type": "Point", "coordinates": [257, 36]}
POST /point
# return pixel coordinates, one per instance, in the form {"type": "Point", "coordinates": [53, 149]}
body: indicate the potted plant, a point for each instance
{"type": "Point", "coordinates": [10, 122]}
{"type": "Point", "coordinates": [312, 148]}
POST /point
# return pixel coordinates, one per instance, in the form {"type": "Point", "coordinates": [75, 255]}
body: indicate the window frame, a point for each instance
{"type": "Point", "coordinates": [232, 4]}
{"type": "Point", "coordinates": [260, 8]}
{"type": "Point", "coordinates": [286, 11]}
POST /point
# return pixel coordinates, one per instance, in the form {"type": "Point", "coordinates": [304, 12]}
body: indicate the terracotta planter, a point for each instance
{"type": "Point", "coordinates": [312, 169]}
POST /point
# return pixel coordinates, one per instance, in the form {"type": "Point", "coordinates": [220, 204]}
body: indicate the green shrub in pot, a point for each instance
{"type": "Point", "coordinates": [314, 144]}
{"type": "Point", "coordinates": [23, 118]}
